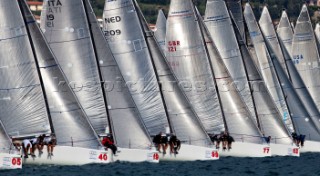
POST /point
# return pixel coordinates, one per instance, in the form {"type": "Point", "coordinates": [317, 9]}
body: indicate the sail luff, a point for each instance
{"type": "Point", "coordinates": [266, 68]}
{"type": "Point", "coordinates": [185, 123]}
{"type": "Point", "coordinates": [305, 54]}
{"type": "Point", "coordinates": [237, 115]}
{"type": "Point", "coordinates": [218, 22]}
{"type": "Point", "coordinates": [285, 31]}
{"type": "Point", "coordinates": [267, 112]}
{"type": "Point", "coordinates": [72, 126]}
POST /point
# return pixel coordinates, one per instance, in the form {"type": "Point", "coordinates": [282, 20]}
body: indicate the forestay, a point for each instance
{"type": "Point", "coordinates": [265, 67]}
{"type": "Point", "coordinates": [65, 27]}
{"type": "Point", "coordinates": [218, 22]}
{"type": "Point", "coordinates": [267, 28]}
{"type": "Point", "coordinates": [70, 123]}
{"type": "Point", "coordinates": [126, 40]}
{"type": "Point", "coordinates": [160, 31]}
{"type": "Point", "coordinates": [303, 122]}
{"type": "Point", "coordinates": [305, 55]}
{"type": "Point", "coordinates": [184, 122]}
{"type": "Point", "coordinates": [285, 32]}
{"type": "Point", "coordinates": [187, 58]}
{"type": "Point", "coordinates": [23, 109]}
{"type": "Point", "coordinates": [238, 119]}
{"type": "Point", "coordinates": [126, 123]}
{"type": "Point", "coordinates": [269, 117]}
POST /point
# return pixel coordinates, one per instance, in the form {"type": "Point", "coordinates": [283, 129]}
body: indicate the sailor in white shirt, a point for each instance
{"type": "Point", "coordinates": [26, 144]}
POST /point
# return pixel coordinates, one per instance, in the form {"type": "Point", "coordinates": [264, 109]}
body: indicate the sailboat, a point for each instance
{"type": "Point", "coordinates": [35, 103]}
{"type": "Point", "coordinates": [129, 131]}
{"type": "Point", "coordinates": [134, 144]}
{"type": "Point", "coordinates": [218, 22]}
{"type": "Point", "coordinates": [265, 68]}
{"type": "Point", "coordinates": [285, 31]}
{"type": "Point", "coordinates": [267, 28]}
{"type": "Point", "coordinates": [268, 115]}
{"type": "Point", "coordinates": [305, 54]}
{"type": "Point", "coordinates": [304, 123]}
{"type": "Point", "coordinates": [196, 144]}
{"type": "Point", "coordinates": [8, 158]}
{"type": "Point", "coordinates": [161, 28]}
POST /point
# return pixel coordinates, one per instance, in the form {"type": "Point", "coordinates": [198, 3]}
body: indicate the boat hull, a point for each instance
{"type": "Point", "coordinates": [191, 153]}
{"type": "Point", "coordinates": [64, 155]}
{"type": "Point", "coordinates": [136, 155]}
{"type": "Point", "coordinates": [285, 150]}
{"type": "Point", "coordinates": [10, 161]}
{"type": "Point", "coordinates": [310, 146]}
{"type": "Point", "coordinates": [243, 149]}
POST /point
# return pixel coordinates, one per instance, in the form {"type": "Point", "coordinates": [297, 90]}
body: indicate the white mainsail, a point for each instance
{"type": "Point", "coordinates": [185, 123]}
{"type": "Point", "coordinates": [70, 123]}
{"type": "Point", "coordinates": [126, 123]}
{"type": "Point", "coordinates": [161, 29]}
{"type": "Point", "coordinates": [187, 58]}
{"type": "Point", "coordinates": [123, 32]}
{"type": "Point", "coordinates": [265, 67]}
{"type": "Point", "coordinates": [218, 22]}
{"type": "Point", "coordinates": [267, 27]}
{"type": "Point", "coordinates": [285, 31]}
{"type": "Point", "coordinates": [305, 55]}
{"type": "Point", "coordinates": [268, 115]}
{"type": "Point", "coordinates": [239, 122]}
{"type": "Point", "coordinates": [68, 35]}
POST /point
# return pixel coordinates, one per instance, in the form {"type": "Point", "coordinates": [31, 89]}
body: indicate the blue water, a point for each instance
{"type": "Point", "coordinates": [307, 164]}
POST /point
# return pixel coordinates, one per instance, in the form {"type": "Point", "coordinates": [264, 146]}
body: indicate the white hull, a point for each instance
{"type": "Point", "coordinates": [64, 155]}
{"type": "Point", "coordinates": [310, 146]}
{"type": "Point", "coordinates": [10, 161]}
{"type": "Point", "coordinates": [190, 153]}
{"type": "Point", "coordinates": [285, 150]}
{"type": "Point", "coordinates": [136, 155]}
{"type": "Point", "coordinates": [243, 149]}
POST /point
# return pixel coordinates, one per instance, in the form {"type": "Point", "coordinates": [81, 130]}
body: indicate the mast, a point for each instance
{"type": "Point", "coordinates": [99, 71]}
{"type": "Point", "coordinates": [37, 67]}
{"type": "Point", "coordinates": [210, 63]}
{"type": "Point", "coordinates": [156, 73]}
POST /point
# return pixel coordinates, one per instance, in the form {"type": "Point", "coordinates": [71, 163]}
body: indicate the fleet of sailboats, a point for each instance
{"type": "Point", "coordinates": [193, 77]}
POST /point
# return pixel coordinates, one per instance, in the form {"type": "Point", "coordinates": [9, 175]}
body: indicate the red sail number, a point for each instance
{"type": "Point", "coordinates": [266, 150]}
{"type": "Point", "coordinates": [215, 154]}
{"type": "Point", "coordinates": [103, 157]}
{"type": "Point", "coordinates": [295, 151]}
{"type": "Point", "coordinates": [156, 156]}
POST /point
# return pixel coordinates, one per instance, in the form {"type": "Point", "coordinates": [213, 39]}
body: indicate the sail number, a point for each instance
{"type": "Point", "coordinates": [295, 151]}
{"type": "Point", "coordinates": [103, 157]}
{"type": "Point", "coordinates": [16, 161]}
{"type": "Point", "coordinates": [112, 33]}
{"type": "Point", "coordinates": [172, 46]}
{"type": "Point", "coordinates": [266, 150]}
{"type": "Point", "coordinates": [297, 59]}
